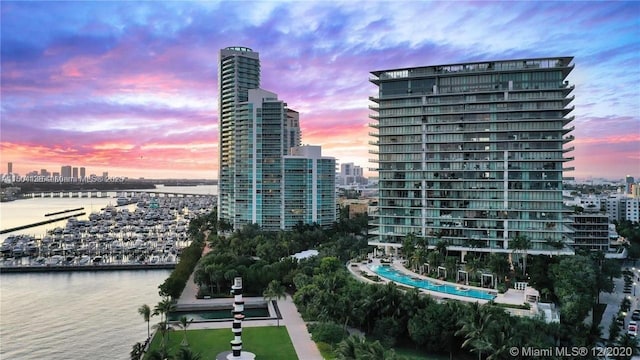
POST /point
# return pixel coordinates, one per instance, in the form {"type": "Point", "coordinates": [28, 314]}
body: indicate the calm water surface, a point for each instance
{"type": "Point", "coordinates": [73, 315]}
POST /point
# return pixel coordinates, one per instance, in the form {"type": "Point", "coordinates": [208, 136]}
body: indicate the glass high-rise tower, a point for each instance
{"type": "Point", "coordinates": [239, 71]}
{"type": "Point", "coordinates": [473, 154]}
{"type": "Point", "coordinates": [257, 133]}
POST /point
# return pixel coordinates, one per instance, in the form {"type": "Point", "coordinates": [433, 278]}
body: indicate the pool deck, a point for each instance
{"type": "Point", "coordinates": [513, 297]}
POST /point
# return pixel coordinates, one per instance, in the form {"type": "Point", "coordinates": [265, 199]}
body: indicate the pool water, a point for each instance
{"type": "Point", "coordinates": [392, 274]}
{"type": "Point", "coordinates": [218, 314]}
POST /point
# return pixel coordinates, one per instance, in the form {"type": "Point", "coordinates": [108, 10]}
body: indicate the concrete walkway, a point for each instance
{"type": "Point", "coordinates": [305, 348]}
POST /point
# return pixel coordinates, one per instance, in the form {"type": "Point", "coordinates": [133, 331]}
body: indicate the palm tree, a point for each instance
{"type": "Point", "coordinates": [474, 329]}
{"type": "Point", "coordinates": [473, 265]}
{"type": "Point", "coordinates": [186, 354]}
{"type": "Point", "coordinates": [521, 243]}
{"type": "Point", "coordinates": [348, 348]}
{"type": "Point", "coordinates": [145, 311]}
{"type": "Point", "coordinates": [442, 246]}
{"type": "Point", "coordinates": [628, 341]}
{"type": "Point", "coordinates": [158, 355]}
{"type": "Point", "coordinates": [183, 324]}
{"type": "Point", "coordinates": [137, 351]}
{"type": "Point", "coordinates": [373, 351]}
{"type": "Point", "coordinates": [274, 291]}
{"type": "Point", "coordinates": [163, 309]}
{"type": "Point", "coordinates": [163, 327]}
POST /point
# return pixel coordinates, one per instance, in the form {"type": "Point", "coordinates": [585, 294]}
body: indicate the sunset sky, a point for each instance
{"type": "Point", "coordinates": [131, 87]}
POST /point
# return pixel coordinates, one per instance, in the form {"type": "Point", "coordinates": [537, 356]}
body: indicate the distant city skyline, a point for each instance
{"type": "Point", "coordinates": [131, 87]}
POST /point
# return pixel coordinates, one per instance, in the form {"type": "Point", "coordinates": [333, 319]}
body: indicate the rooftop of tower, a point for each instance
{"type": "Point", "coordinates": [476, 66]}
{"type": "Point", "coordinates": [239, 48]}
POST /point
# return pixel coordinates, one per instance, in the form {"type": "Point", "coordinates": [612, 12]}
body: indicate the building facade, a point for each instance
{"type": "Point", "coordinates": [65, 171]}
{"type": "Point", "coordinates": [257, 133]}
{"type": "Point", "coordinates": [308, 182]}
{"type": "Point", "coordinates": [591, 231]}
{"type": "Point", "coordinates": [473, 154]}
{"type": "Point", "coordinates": [239, 71]}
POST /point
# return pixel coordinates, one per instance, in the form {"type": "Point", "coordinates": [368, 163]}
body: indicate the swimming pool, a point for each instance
{"type": "Point", "coordinates": [218, 314]}
{"type": "Point", "coordinates": [392, 274]}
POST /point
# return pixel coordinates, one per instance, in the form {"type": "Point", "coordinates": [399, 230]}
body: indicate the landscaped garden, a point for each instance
{"type": "Point", "coordinates": [269, 342]}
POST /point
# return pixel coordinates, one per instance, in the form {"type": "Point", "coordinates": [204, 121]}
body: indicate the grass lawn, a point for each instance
{"type": "Point", "coordinates": [269, 342]}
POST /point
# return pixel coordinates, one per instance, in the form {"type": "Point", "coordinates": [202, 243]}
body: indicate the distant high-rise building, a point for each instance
{"type": "Point", "coordinates": [44, 172]}
{"type": "Point", "coordinates": [350, 174]}
{"type": "Point", "coordinates": [346, 169]}
{"type": "Point", "coordinates": [293, 125]}
{"type": "Point", "coordinates": [9, 168]}
{"type": "Point", "coordinates": [83, 172]}
{"type": "Point", "coordinates": [105, 174]}
{"type": "Point", "coordinates": [75, 173]}
{"type": "Point", "coordinates": [308, 188]}
{"type": "Point", "coordinates": [65, 171]}
{"type": "Point", "coordinates": [473, 154]}
{"type": "Point", "coordinates": [629, 181]}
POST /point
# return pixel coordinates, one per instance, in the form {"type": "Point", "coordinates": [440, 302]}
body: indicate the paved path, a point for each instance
{"type": "Point", "coordinates": [306, 348]}
{"type": "Point", "coordinates": [190, 290]}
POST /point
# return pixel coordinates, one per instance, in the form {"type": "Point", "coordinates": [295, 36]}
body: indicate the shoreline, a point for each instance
{"type": "Point", "coordinates": [67, 268]}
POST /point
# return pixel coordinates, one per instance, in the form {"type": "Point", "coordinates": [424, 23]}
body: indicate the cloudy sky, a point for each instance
{"type": "Point", "coordinates": [131, 87]}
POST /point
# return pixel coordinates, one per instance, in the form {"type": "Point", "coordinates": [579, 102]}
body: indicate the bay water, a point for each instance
{"type": "Point", "coordinates": [73, 315]}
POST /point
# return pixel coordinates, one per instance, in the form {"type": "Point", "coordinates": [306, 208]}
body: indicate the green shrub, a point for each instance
{"type": "Point", "coordinates": [327, 332]}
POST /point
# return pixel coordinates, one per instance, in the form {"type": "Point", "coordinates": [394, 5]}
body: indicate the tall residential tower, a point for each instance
{"type": "Point", "coordinates": [473, 154]}
{"type": "Point", "coordinates": [239, 71]}
{"type": "Point", "coordinates": [257, 132]}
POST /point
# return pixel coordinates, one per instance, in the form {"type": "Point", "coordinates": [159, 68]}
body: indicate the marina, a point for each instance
{"type": "Point", "coordinates": [142, 232]}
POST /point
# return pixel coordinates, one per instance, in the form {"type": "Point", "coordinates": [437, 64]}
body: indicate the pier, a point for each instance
{"type": "Point", "coordinates": [63, 211]}
{"type": "Point", "coordinates": [107, 194]}
{"type": "Point", "coordinates": [4, 231]}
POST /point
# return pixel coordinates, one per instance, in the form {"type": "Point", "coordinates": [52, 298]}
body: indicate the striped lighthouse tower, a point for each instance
{"type": "Point", "coordinates": [238, 316]}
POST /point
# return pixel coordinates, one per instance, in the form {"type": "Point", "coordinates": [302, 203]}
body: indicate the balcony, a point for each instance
{"type": "Point", "coordinates": [374, 125]}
